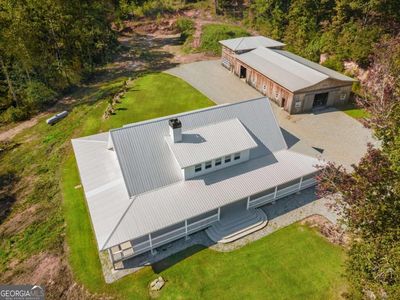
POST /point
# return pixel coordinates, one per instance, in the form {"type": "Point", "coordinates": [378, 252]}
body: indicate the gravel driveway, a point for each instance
{"type": "Point", "coordinates": [337, 136]}
{"type": "Point", "coordinates": [214, 81]}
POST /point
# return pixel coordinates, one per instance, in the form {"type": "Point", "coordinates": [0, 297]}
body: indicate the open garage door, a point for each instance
{"type": "Point", "coordinates": [320, 99]}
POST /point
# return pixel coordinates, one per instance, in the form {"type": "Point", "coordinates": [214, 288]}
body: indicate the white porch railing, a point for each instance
{"type": "Point", "coordinates": [280, 193]}
{"type": "Point", "coordinates": [119, 253]}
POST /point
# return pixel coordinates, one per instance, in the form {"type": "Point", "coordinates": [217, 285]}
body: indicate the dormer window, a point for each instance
{"type": "Point", "coordinates": [208, 164]}
{"type": "Point", "coordinates": [197, 168]}
{"type": "Point", "coordinates": [218, 161]}
{"type": "Point", "coordinates": [236, 156]}
{"type": "Point", "coordinates": [227, 159]}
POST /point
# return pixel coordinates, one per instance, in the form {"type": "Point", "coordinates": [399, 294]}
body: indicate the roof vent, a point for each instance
{"type": "Point", "coordinates": [175, 130]}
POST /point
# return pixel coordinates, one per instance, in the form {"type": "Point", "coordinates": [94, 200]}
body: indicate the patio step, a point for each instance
{"type": "Point", "coordinates": [240, 225]}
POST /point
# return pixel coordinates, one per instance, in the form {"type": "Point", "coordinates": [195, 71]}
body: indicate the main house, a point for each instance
{"type": "Point", "coordinates": [293, 82]}
{"type": "Point", "coordinates": [153, 182]}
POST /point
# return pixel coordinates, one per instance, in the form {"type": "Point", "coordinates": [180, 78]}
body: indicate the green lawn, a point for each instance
{"type": "Point", "coordinates": [293, 263]}
{"type": "Point", "coordinates": [355, 112]}
{"type": "Point", "coordinates": [212, 33]}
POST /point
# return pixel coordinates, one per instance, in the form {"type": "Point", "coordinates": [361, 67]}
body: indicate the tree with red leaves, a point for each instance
{"type": "Point", "coordinates": [368, 197]}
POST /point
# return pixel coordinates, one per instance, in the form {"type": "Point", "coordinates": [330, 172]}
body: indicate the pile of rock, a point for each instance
{"type": "Point", "coordinates": [110, 110]}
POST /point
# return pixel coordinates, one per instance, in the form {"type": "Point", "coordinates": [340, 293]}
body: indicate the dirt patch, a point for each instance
{"type": "Point", "coordinates": [13, 131]}
{"type": "Point", "coordinates": [19, 221]}
{"type": "Point", "coordinates": [332, 232]}
{"type": "Point", "coordinates": [49, 270]}
{"type": "Point", "coordinates": [161, 27]}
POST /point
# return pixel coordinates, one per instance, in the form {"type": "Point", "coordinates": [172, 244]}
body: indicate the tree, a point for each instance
{"type": "Point", "coordinates": [52, 45]}
{"type": "Point", "coordinates": [368, 197]}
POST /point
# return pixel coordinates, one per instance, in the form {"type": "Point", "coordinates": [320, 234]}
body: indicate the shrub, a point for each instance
{"type": "Point", "coordinates": [37, 94]}
{"type": "Point", "coordinates": [186, 27]}
{"type": "Point", "coordinates": [334, 62]}
{"type": "Point", "coordinates": [152, 8]}
{"type": "Point", "coordinates": [14, 114]}
{"type": "Point", "coordinates": [213, 33]}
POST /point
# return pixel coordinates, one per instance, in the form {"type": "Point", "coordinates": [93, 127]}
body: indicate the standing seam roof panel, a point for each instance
{"type": "Point", "coordinates": [147, 162]}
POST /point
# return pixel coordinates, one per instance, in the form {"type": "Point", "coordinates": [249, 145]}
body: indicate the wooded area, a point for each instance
{"type": "Point", "coordinates": [48, 46]}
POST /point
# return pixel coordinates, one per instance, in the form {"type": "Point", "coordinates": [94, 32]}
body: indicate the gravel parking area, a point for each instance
{"type": "Point", "coordinates": [214, 81]}
{"type": "Point", "coordinates": [336, 136]}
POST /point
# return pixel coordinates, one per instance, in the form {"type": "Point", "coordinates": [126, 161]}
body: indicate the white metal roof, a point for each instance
{"type": "Point", "coordinates": [250, 43]}
{"type": "Point", "coordinates": [174, 203]}
{"type": "Point", "coordinates": [102, 181]}
{"type": "Point", "coordinates": [289, 70]}
{"type": "Point", "coordinates": [118, 217]}
{"type": "Point", "coordinates": [147, 162]}
{"type": "Point", "coordinates": [331, 73]}
{"type": "Point", "coordinates": [210, 142]}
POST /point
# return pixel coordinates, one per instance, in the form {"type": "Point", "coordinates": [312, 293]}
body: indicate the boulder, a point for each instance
{"type": "Point", "coordinates": [157, 284]}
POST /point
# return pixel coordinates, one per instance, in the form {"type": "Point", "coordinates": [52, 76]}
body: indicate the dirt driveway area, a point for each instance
{"type": "Point", "coordinates": [334, 135]}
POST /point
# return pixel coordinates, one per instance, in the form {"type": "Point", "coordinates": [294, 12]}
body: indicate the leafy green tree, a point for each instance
{"type": "Point", "coordinates": [303, 32]}
{"type": "Point", "coordinates": [52, 44]}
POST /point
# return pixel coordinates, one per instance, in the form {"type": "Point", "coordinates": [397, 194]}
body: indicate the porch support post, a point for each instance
{"type": "Point", "coordinates": [275, 193]}
{"type": "Point", "coordinates": [111, 256]}
{"type": "Point", "coordinates": [219, 213]}
{"type": "Point", "coordinates": [248, 202]}
{"type": "Point", "coordinates": [186, 230]}
{"type": "Point", "coordinates": [301, 181]}
{"type": "Point", "coordinates": [151, 244]}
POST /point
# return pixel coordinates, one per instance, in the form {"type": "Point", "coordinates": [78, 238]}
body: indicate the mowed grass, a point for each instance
{"type": "Point", "coordinates": [153, 96]}
{"type": "Point", "coordinates": [355, 112]}
{"type": "Point", "coordinates": [213, 33]}
{"type": "Point", "coordinates": [293, 263]}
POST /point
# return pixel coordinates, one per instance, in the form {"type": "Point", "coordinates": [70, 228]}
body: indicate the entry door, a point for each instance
{"type": "Point", "coordinates": [243, 72]}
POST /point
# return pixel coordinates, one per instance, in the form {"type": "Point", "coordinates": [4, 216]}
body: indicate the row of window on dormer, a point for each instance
{"type": "Point", "coordinates": [217, 162]}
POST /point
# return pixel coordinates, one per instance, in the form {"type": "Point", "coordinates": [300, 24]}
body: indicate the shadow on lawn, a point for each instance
{"type": "Point", "coordinates": [170, 261]}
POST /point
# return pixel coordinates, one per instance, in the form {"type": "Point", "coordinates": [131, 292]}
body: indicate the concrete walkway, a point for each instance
{"type": "Point", "coordinates": [336, 136]}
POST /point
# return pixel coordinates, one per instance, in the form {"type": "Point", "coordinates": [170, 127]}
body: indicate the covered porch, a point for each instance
{"type": "Point", "coordinates": [152, 241]}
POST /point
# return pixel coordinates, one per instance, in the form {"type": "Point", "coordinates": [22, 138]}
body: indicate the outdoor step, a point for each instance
{"type": "Point", "coordinates": [238, 227]}
{"type": "Point", "coordinates": [259, 221]}
{"type": "Point", "coordinates": [236, 221]}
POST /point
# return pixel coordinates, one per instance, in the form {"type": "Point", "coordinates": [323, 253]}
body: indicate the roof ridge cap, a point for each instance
{"type": "Point", "coordinates": [140, 123]}
{"type": "Point", "coordinates": [241, 40]}
{"type": "Point", "coordinates": [296, 62]}
{"type": "Point", "coordinates": [119, 222]}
